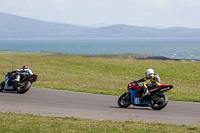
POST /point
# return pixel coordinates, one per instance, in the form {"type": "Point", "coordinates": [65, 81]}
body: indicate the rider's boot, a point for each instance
{"type": "Point", "coordinates": [146, 92]}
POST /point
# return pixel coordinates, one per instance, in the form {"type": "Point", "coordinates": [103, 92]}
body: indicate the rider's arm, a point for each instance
{"type": "Point", "coordinates": [15, 71]}
{"type": "Point", "coordinates": [144, 79]}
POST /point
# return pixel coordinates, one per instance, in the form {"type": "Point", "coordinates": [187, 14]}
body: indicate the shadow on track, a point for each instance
{"type": "Point", "coordinates": [10, 92]}
{"type": "Point", "coordinates": [138, 108]}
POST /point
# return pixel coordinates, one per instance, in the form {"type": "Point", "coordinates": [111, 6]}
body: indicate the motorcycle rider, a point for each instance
{"type": "Point", "coordinates": [16, 75]}
{"type": "Point", "coordinates": [155, 81]}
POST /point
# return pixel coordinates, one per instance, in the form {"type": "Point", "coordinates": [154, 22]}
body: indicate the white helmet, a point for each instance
{"type": "Point", "coordinates": [149, 71]}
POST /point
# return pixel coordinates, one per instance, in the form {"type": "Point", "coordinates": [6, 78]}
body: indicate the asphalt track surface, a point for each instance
{"type": "Point", "coordinates": [93, 106]}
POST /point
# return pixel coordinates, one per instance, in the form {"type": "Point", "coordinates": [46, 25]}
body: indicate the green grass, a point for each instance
{"type": "Point", "coordinates": [27, 123]}
{"type": "Point", "coordinates": [103, 75]}
{"type": "Point", "coordinates": [17, 53]}
{"type": "Point", "coordinates": [97, 75]}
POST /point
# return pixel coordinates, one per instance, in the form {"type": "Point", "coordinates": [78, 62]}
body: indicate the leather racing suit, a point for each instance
{"type": "Point", "coordinates": [155, 81]}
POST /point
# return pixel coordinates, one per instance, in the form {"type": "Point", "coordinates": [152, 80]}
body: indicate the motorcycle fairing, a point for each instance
{"type": "Point", "coordinates": [162, 88]}
{"type": "Point", "coordinates": [133, 97]}
{"type": "Point", "coordinates": [33, 78]}
{"type": "Point", "coordinates": [130, 86]}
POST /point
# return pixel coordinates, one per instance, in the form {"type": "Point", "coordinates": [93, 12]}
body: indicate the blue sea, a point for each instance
{"type": "Point", "coordinates": [171, 48]}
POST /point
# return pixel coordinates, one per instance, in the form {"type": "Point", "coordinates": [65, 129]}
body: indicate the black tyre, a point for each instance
{"type": "Point", "coordinates": [2, 86]}
{"type": "Point", "coordinates": [24, 88]}
{"type": "Point", "coordinates": [124, 100]}
{"type": "Point", "coordinates": [159, 102]}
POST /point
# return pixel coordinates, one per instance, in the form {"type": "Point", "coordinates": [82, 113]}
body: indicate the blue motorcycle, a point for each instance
{"type": "Point", "coordinates": [155, 99]}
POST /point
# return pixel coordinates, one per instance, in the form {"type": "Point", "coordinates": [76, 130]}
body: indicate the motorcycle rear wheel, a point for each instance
{"type": "Point", "coordinates": [124, 100]}
{"type": "Point", "coordinates": [25, 88]}
{"type": "Point", "coordinates": [160, 102]}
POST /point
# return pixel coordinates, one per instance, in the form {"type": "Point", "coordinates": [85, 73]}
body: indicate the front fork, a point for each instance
{"type": "Point", "coordinates": [127, 96]}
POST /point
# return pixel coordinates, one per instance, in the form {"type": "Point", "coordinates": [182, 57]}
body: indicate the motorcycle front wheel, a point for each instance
{"type": "Point", "coordinates": [2, 86]}
{"type": "Point", "coordinates": [26, 86]}
{"type": "Point", "coordinates": [124, 100]}
{"type": "Point", "coordinates": [159, 102]}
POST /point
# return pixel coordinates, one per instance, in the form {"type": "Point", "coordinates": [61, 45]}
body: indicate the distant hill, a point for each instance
{"type": "Point", "coordinates": [12, 26]}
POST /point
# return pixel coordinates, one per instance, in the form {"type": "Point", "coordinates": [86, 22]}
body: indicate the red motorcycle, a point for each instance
{"type": "Point", "coordinates": [155, 98]}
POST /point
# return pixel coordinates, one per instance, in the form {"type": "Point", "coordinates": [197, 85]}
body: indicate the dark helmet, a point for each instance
{"type": "Point", "coordinates": [25, 67]}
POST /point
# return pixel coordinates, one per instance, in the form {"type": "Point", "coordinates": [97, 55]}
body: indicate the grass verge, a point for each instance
{"type": "Point", "coordinates": [27, 123]}
{"type": "Point", "coordinates": [103, 75]}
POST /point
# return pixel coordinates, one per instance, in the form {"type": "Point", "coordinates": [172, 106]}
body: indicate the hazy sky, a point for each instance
{"type": "Point", "coordinates": [167, 13]}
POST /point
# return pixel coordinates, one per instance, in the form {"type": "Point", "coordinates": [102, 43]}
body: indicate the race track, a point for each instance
{"type": "Point", "coordinates": [92, 106]}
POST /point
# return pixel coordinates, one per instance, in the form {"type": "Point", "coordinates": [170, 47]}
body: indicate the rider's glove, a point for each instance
{"type": "Point", "coordinates": [135, 82]}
